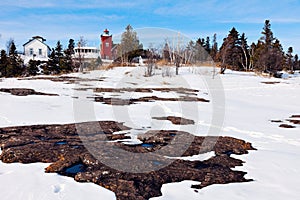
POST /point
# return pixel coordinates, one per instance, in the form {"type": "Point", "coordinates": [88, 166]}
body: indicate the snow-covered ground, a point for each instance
{"type": "Point", "coordinates": [249, 107]}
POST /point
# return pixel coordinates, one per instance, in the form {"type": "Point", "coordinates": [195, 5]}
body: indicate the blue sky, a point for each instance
{"type": "Point", "coordinates": [64, 19]}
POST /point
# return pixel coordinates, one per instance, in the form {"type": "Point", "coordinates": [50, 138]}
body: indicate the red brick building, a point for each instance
{"type": "Point", "coordinates": [106, 45]}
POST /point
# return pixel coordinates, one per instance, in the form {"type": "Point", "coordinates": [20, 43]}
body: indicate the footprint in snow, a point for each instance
{"type": "Point", "coordinates": [58, 188]}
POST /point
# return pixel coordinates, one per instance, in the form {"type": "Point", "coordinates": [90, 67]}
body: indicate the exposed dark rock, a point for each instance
{"type": "Point", "coordinates": [294, 121]}
{"type": "Point", "coordinates": [271, 82]}
{"type": "Point", "coordinates": [295, 116]}
{"type": "Point", "coordinates": [176, 120]}
{"type": "Point", "coordinates": [67, 79]}
{"type": "Point", "coordinates": [276, 121]}
{"type": "Point", "coordinates": [124, 102]}
{"type": "Point", "coordinates": [62, 146]}
{"type": "Point", "coordinates": [147, 90]}
{"type": "Point", "coordinates": [286, 126]}
{"type": "Point", "coordinates": [24, 92]}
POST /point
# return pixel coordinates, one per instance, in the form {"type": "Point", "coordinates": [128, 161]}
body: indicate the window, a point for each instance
{"type": "Point", "coordinates": [107, 44]}
{"type": "Point", "coordinates": [31, 51]}
{"type": "Point", "coordinates": [40, 52]}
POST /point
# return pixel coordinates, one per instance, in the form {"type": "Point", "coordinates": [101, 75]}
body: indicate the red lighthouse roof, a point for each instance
{"type": "Point", "coordinates": [106, 32]}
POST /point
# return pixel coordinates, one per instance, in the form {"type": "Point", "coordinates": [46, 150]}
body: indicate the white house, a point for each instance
{"type": "Point", "coordinates": [36, 49]}
{"type": "Point", "coordinates": [86, 52]}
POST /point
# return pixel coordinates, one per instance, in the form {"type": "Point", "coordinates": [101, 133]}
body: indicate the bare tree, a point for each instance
{"type": "Point", "coordinates": [129, 43]}
{"type": "Point", "coordinates": [151, 63]}
{"type": "Point", "coordinates": [176, 52]}
{"type": "Point", "coordinates": [81, 43]}
{"type": "Point", "coordinates": [9, 43]}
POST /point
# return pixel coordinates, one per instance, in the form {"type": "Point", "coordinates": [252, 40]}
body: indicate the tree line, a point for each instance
{"type": "Point", "coordinates": [266, 55]}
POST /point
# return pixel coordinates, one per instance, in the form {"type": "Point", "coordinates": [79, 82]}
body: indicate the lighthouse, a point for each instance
{"type": "Point", "coordinates": [106, 45]}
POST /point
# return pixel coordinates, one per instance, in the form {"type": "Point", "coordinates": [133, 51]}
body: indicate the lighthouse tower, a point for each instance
{"type": "Point", "coordinates": [106, 45]}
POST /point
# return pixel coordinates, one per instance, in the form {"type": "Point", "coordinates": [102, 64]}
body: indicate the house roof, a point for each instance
{"type": "Point", "coordinates": [38, 38]}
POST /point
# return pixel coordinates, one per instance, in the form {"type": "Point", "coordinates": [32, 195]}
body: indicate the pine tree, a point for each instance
{"type": "Point", "coordinates": [3, 63]}
{"type": "Point", "coordinates": [68, 60]}
{"type": "Point", "coordinates": [230, 51]}
{"type": "Point", "coordinates": [296, 64]}
{"type": "Point", "coordinates": [270, 55]}
{"type": "Point", "coordinates": [56, 59]}
{"type": "Point", "coordinates": [276, 57]}
{"type": "Point", "coordinates": [214, 49]}
{"type": "Point", "coordinates": [52, 64]}
{"type": "Point", "coordinates": [207, 45]}
{"type": "Point", "coordinates": [290, 59]}
{"type": "Point", "coordinates": [15, 64]}
{"type": "Point", "coordinates": [267, 37]}
{"type": "Point", "coordinates": [32, 67]}
{"type": "Point", "coordinates": [201, 48]}
{"type": "Point", "coordinates": [167, 53]}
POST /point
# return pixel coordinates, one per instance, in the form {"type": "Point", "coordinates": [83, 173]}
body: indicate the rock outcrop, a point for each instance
{"type": "Point", "coordinates": [24, 92]}
{"type": "Point", "coordinates": [64, 148]}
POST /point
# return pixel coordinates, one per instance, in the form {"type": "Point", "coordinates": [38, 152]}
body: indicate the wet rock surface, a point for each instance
{"type": "Point", "coordinates": [176, 120]}
{"type": "Point", "coordinates": [24, 92]}
{"type": "Point", "coordinates": [63, 147]}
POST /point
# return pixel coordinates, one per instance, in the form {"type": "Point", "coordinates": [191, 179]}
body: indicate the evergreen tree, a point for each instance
{"type": "Point", "coordinates": [68, 60]}
{"type": "Point", "coordinates": [32, 67]}
{"type": "Point", "coordinates": [296, 63]}
{"type": "Point", "coordinates": [230, 51]}
{"type": "Point", "coordinates": [56, 59]}
{"type": "Point", "coordinates": [270, 55]}
{"type": "Point", "coordinates": [52, 64]}
{"type": "Point", "coordinates": [276, 57]}
{"type": "Point", "coordinates": [214, 49]}
{"type": "Point", "coordinates": [15, 64]}
{"type": "Point", "coordinates": [267, 37]}
{"type": "Point", "coordinates": [167, 52]}
{"type": "Point", "coordinates": [290, 59]}
{"type": "Point", "coordinates": [207, 45]}
{"type": "Point", "coordinates": [201, 53]}
{"type": "Point", "coordinates": [3, 63]}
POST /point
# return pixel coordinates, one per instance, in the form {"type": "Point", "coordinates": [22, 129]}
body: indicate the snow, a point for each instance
{"type": "Point", "coordinates": [249, 107]}
{"type": "Point", "coordinates": [200, 157]}
{"type": "Point", "coordinates": [20, 181]}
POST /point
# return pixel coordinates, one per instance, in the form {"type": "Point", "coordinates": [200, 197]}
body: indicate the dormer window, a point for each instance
{"type": "Point", "coordinates": [40, 52]}
{"type": "Point", "coordinates": [31, 51]}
